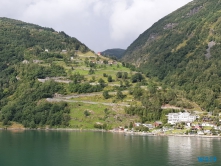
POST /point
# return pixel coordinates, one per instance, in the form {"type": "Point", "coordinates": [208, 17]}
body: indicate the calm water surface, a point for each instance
{"type": "Point", "coordinates": [75, 148]}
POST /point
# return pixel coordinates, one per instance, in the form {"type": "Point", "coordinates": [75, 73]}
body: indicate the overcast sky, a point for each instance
{"type": "Point", "coordinates": [100, 24]}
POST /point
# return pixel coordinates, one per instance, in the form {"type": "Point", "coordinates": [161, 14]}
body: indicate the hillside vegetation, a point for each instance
{"type": "Point", "coordinates": [23, 47]}
{"type": "Point", "coordinates": [49, 79]}
{"type": "Point", "coordinates": [40, 68]}
{"type": "Point", "coordinates": [114, 53]}
{"type": "Point", "coordinates": [183, 51]}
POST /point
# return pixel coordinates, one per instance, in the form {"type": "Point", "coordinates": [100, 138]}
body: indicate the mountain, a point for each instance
{"type": "Point", "coordinates": [49, 79]}
{"type": "Point", "coordinates": [115, 52]}
{"type": "Point", "coordinates": [29, 52]}
{"type": "Point", "coordinates": [183, 51]}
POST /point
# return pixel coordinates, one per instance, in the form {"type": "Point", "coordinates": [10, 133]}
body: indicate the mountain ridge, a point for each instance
{"type": "Point", "coordinates": [177, 50]}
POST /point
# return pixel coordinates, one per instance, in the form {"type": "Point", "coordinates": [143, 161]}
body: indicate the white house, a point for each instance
{"type": "Point", "coordinates": [186, 117]}
{"type": "Point", "coordinates": [137, 124]}
{"type": "Point", "coordinates": [207, 125]}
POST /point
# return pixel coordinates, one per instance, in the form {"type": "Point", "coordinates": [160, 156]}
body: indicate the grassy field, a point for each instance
{"type": "Point", "coordinates": [85, 115]}
{"type": "Point", "coordinates": [114, 117]}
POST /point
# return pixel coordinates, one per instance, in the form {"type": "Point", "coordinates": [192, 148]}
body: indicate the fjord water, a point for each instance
{"type": "Point", "coordinates": [75, 148]}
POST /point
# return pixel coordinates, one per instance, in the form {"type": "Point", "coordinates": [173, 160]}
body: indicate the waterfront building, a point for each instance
{"type": "Point", "coordinates": [186, 117]}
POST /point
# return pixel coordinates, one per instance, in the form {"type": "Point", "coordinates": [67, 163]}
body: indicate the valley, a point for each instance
{"type": "Point", "coordinates": [51, 80]}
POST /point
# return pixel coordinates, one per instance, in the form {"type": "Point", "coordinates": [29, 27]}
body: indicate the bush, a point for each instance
{"type": "Point", "coordinates": [87, 113]}
{"type": "Point", "coordinates": [137, 78]}
{"type": "Point", "coordinates": [100, 125]}
{"type": "Point", "coordinates": [109, 79]}
{"type": "Point", "coordinates": [119, 95]}
{"type": "Point", "coordinates": [106, 95]}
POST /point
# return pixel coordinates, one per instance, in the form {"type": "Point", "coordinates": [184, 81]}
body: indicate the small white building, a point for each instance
{"type": "Point", "coordinates": [207, 125]}
{"type": "Point", "coordinates": [137, 124]}
{"type": "Point", "coordinates": [186, 117]}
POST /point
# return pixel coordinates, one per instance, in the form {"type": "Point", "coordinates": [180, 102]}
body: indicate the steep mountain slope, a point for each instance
{"type": "Point", "coordinates": [23, 47]}
{"type": "Point", "coordinates": [115, 52]}
{"type": "Point", "coordinates": [183, 50]}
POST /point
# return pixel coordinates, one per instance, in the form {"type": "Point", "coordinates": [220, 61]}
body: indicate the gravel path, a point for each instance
{"type": "Point", "coordinates": [83, 101]}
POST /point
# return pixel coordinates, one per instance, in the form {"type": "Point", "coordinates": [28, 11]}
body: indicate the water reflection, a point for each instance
{"type": "Point", "coordinates": [185, 150]}
{"type": "Point", "coordinates": [57, 148]}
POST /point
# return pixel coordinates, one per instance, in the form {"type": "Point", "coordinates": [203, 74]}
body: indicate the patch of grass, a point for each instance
{"type": "Point", "coordinates": [114, 118]}
{"type": "Point", "coordinates": [207, 128]}
{"type": "Point", "coordinates": [183, 44]}
{"type": "Point", "coordinates": [176, 131]}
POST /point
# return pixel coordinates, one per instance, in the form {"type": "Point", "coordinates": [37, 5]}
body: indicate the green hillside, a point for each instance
{"type": "Point", "coordinates": [115, 53]}
{"type": "Point", "coordinates": [183, 50]}
{"type": "Point", "coordinates": [23, 50]}
{"type": "Point", "coordinates": [49, 79]}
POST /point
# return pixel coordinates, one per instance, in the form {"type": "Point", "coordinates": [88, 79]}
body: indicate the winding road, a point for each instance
{"type": "Point", "coordinates": [69, 98]}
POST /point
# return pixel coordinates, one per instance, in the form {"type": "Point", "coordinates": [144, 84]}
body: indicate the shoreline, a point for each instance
{"type": "Point", "coordinates": [50, 129]}
{"type": "Point", "coordinates": [165, 135]}
{"type": "Point", "coordinates": [111, 131]}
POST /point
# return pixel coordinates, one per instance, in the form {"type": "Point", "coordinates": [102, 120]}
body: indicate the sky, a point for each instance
{"type": "Point", "coordinates": [99, 24]}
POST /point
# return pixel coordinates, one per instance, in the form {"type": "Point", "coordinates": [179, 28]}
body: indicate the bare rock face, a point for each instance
{"type": "Point", "coordinates": [210, 45]}
{"type": "Point", "coordinates": [194, 11]}
{"type": "Point", "coordinates": [170, 26]}
{"type": "Point", "coordinates": [152, 36]}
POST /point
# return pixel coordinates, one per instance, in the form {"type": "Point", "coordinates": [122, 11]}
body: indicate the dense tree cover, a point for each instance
{"type": "Point", "coordinates": [175, 50]}
{"type": "Point", "coordinates": [114, 53]}
{"type": "Point", "coordinates": [33, 71]}
{"type": "Point", "coordinates": [84, 88]}
{"type": "Point", "coordinates": [79, 86]}
{"type": "Point", "coordinates": [77, 78]}
{"type": "Point", "coordinates": [21, 94]}
{"type": "Point", "coordinates": [31, 115]}
{"type": "Point", "coordinates": [152, 99]}
{"type": "Point", "coordinates": [23, 106]}
{"type": "Point", "coordinates": [123, 75]}
{"type": "Point", "coordinates": [137, 78]}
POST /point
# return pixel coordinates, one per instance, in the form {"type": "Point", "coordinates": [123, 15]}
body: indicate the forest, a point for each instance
{"type": "Point", "coordinates": [175, 52]}
{"type": "Point", "coordinates": [21, 93]}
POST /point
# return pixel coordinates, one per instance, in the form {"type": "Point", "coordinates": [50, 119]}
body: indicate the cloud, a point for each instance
{"type": "Point", "coordinates": [55, 11]}
{"type": "Point", "coordinates": [100, 24]}
{"type": "Point", "coordinates": [130, 18]}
